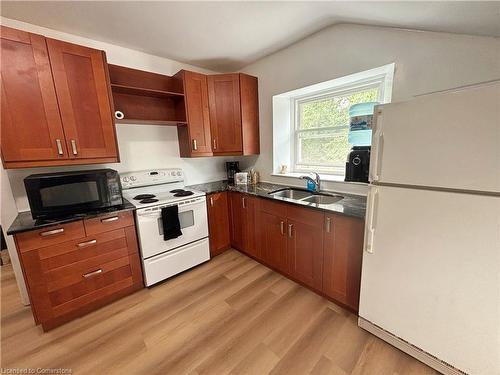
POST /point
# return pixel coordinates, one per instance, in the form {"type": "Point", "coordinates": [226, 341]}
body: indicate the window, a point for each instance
{"type": "Point", "coordinates": [311, 124]}
{"type": "Point", "coordinates": [321, 128]}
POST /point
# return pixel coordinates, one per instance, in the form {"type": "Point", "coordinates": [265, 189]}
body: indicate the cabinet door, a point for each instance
{"type": "Point", "coordinates": [305, 245]}
{"type": "Point", "coordinates": [82, 87]}
{"type": "Point", "coordinates": [31, 125]}
{"type": "Point", "coordinates": [225, 114]}
{"type": "Point", "coordinates": [218, 222]}
{"type": "Point", "coordinates": [237, 220]}
{"type": "Point", "coordinates": [272, 234]}
{"type": "Point", "coordinates": [343, 250]}
{"type": "Point", "coordinates": [249, 114]}
{"type": "Point", "coordinates": [197, 138]}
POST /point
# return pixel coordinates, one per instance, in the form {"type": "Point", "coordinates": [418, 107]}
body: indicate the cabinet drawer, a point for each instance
{"type": "Point", "coordinates": [50, 236]}
{"type": "Point", "coordinates": [106, 223]}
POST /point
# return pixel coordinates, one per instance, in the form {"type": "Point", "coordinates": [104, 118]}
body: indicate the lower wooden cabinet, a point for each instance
{"type": "Point", "coordinates": [320, 250]}
{"type": "Point", "coordinates": [343, 251]}
{"type": "Point", "coordinates": [218, 220]}
{"type": "Point", "coordinates": [305, 245]}
{"type": "Point", "coordinates": [272, 236]}
{"type": "Point", "coordinates": [243, 228]}
{"type": "Point", "coordinates": [72, 269]}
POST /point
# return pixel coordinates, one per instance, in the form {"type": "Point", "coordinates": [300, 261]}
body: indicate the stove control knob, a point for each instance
{"type": "Point", "coordinates": [172, 173]}
{"type": "Point", "coordinates": [179, 173]}
{"type": "Point", "coordinates": [133, 178]}
{"type": "Point", "coordinates": [125, 179]}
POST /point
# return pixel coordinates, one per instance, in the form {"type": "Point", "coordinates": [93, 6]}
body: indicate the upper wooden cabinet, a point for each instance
{"type": "Point", "coordinates": [225, 113]}
{"type": "Point", "coordinates": [195, 137]}
{"type": "Point", "coordinates": [31, 126]}
{"type": "Point", "coordinates": [234, 114]}
{"type": "Point", "coordinates": [56, 107]}
{"type": "Point", "coordinates": [82, 87]}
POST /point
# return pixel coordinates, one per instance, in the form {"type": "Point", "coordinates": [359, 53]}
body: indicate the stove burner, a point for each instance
{"type": "Point", "coordinates": [177, 191]}
{"type": "Point", "coordinates": [183, 193]}
{"type": "Point", "coordinates": [143, 196]}
{"type": "Point", "coordinates": [148, 200]}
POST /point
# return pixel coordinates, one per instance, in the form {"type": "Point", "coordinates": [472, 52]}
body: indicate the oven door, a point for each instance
{"type": "Point", "coordinates": [193, 220]}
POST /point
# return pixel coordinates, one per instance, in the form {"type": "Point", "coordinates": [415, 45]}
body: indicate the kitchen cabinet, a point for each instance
{"type": "Point", "coordinates": [56, 107]}
{"type": "Point", "coordinates": [71, 269]}
{"type": "Point", "coordinates": [243, 225]}
{"type": "Point", "coordinates": [343, 251]}
{"type": "Point", "coordinates": [272, 237]}
{"type": "Point", "coordinates": [195, 136]}
{"type": "Point", "coordinates": [31, 125]}
{"type": "Point", "coordinates": [234, 114]}
{"type": "Point", "coordinates": [305, 245]}
{"type": "Point", "coordinates": [82, 87]}
{"type": "Point", "coordinates": [218, 222]}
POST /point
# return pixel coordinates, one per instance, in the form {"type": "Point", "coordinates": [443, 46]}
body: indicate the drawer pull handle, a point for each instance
{"type": "Point", "coordinates": [290, 230]}
{"type": "Point", "coordinates": [73, 147]}
{"type": "Point", "coordinates": [211, 201]}
{"type": "Point", "coordinates": [282, 227]}
{"type": "Point", "coordinates": [93, 273]}
{"type": "Point", "coordinates": [52, 232]}
{"type": "Point", "coordinates": [87, 243]}
{"type": "Point", "coordinates": [109, 219]}
{"type": "Point", "coordinates": [195, 145]}
{"type": "Point", "coordinates": [328, 224]}
{"type": "Point", "coordinates": [59, 147]}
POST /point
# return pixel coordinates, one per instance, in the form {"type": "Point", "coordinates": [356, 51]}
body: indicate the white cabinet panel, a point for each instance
{"type": "Point", "coordinates": [432, 277]}
{"type": "Point", "coordinates": [449, 140]}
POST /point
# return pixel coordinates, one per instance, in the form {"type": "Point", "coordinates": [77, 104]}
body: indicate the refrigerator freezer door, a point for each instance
{"type": "Point", "coordinates": [448, 140]}
{"type": "Point", "coordinates": [432, 277]}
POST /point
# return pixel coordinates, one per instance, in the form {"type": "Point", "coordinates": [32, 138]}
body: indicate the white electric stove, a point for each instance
{"type": "Point", "coordinates": [149, 191]}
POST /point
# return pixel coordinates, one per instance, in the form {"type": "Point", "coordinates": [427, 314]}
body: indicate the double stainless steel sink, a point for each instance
{"type": "Point", "coordinates": [306, 196]}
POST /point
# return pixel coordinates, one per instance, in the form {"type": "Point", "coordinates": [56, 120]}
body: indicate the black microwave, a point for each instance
{"type": "Point", "coordinates": [53, 195]}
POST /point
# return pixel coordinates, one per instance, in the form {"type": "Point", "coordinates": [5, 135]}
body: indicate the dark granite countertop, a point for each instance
{"type": "Point", "coordinates": [24, 222]}
{"type": "Point", "coordinates": [350, 205]}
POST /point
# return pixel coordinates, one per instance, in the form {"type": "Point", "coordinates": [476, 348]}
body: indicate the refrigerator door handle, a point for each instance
{"type": "Point", "coordinates": [373, 206]}
{"type": "Point", "coordinates": [378, 157]}
{"type": "Point", "coordinates": [378, 145]}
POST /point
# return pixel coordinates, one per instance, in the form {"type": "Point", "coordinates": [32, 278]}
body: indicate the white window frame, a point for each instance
{"type": "Point", "coordinates": [285, 139]}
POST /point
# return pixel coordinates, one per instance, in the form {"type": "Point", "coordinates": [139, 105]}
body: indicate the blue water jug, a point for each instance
{"type": "Point", "coordinates": [360, 132]}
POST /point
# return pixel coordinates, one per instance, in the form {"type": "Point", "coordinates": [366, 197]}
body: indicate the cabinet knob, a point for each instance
{"type": "Point", "coordinates": [211, 201]}
{"type": "Point", "coordinates": [328, 224]}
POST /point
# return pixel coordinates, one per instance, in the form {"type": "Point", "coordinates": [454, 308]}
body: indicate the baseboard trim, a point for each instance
{"type": "Point", "coordinates": [421, 355]}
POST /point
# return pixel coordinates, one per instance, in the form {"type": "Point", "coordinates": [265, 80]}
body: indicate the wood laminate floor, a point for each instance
{"type": "Point", "coordinates": [231, 315]}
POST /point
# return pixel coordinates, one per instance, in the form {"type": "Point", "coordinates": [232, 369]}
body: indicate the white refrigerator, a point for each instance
{"type": "Point", "coordinates": [431, 264]}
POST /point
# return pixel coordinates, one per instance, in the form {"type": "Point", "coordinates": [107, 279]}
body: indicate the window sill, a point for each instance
{"type": "Point", "coordinates": [324, 177]}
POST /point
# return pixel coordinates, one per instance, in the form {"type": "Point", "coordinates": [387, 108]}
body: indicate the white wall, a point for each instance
{"type": "Point", "coordinates": [425, 62]}
{"type": "Point", "coordinates": [141, 146]}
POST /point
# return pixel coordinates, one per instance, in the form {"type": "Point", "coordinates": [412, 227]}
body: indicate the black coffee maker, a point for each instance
{"type": "Point", "coordinates": [232, 167]}
{"type": "Point", "coordinates": [358, 164]}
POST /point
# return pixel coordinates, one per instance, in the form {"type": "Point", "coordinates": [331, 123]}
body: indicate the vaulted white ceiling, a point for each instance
{"type": "Point", "coordinates": [225, 36]}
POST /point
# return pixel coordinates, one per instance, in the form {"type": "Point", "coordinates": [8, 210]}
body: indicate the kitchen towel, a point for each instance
{"type": "Point", "coordinates": [171, 224]}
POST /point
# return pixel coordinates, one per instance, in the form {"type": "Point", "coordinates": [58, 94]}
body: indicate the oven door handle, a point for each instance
{"type": "Point", "coordinates": [182, 209]}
